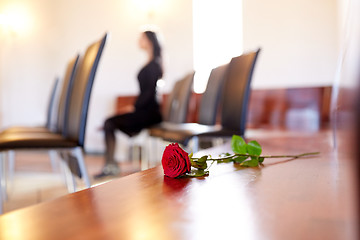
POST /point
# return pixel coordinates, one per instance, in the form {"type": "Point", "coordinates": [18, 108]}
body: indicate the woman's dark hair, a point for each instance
{"type": "Point", "coordinates": [155, 42]}
{"type": "Point", "coordinates": [156, 47]}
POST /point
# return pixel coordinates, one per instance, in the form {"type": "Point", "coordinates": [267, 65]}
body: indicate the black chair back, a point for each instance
{"type": "Point", "coordinates": [177, 104]}
{"type": "Point", "coordinates": [236, 92]}
{"type": "Point", "coordinates": [210, 99]}
{"type": "Point", "coordinates": [80, 96]}
{"type": "Point", "coordinates": [65, 93]}
{"type": "Point", "coordinates": [50, 109]}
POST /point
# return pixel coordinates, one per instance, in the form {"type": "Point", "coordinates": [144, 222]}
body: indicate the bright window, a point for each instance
{"type": "Point", "coordinates": [217, 36]}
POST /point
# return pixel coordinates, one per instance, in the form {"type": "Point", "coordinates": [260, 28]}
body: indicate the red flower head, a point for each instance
{"type": "Point", "coordinates": [175, 161]}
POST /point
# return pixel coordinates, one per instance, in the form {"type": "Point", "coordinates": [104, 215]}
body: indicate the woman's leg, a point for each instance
{"type": "Point", "coordinates": [127, 123]}
{"type": "Point", "coordinates": [123, 123]}
{"type": "Point", "coordinates": [110, 141]}
{"type": "Point", "coordinates": [110, 168]}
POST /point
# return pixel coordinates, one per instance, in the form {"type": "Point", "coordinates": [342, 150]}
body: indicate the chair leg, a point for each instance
{"type": "Point", "coordinates": [3, 187]}
{"type": "Point", "coordinates": [154, 150]}
{"type": "Point", "coordinates": [62, 168]}
{"type": "Point", "coordinates": [5, 176]}
{"type": "Point", "coordinates": [1, 204]}
{"type": "Point", "coordinates": [69, 178]}
{"type": "Point", "coordinates": [135, 154]}
{"type": "Point", "coordinates": [195, 144]}
{"type": "Point", "coordinates": [144, 159]}
{"type": "Point", "coordinates": [11, 167]}
{"type": "Point", "coordinates": [79, 156]}
{"type": "Point", "coordinates": [217, 141]}
{"type": "Point", "coordinates": [138, 153]}
{"type": "Point", "coordinates": [1, 183]}
{"type": "Point", "coordinates": [53, 160]}
{"type": "Point", "coordinates": [153, 153]}
{"type": "Point", "coordinates": [129, 152]}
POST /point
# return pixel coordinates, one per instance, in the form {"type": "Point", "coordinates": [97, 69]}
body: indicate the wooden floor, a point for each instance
{"type": "Point", "coordinates": [35, 180]}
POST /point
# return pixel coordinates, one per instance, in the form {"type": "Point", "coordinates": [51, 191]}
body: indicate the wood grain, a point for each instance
{"type": "Point", "coordinates": [309, 198]}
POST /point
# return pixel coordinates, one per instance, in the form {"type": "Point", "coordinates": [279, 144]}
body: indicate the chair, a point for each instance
{"type": "Point", "coordinates": [210, 99]}
{"type": "Point", "coordinates": [73, 134]}
{"type": "Point", "coordinates": [2, 186]}
{"type": "Point", "coordinates": [51, 112]}
{"type": "Point", "coordinates": [235, 99]}
{"type": "Point", "coordinates": [62, 108]}
{"type": "Point", "coordinates": [57, 119]}
{"type": "Point", "coordinates": [181, 132]}
{"type": "Point", "coordinates": [174, 111]}
{"type": "Point", "coordinates": [176, 106]}
{"type": "Point", "coordinates": [49, 115]}
{"type": "Point", "coordinates": [13, 131]}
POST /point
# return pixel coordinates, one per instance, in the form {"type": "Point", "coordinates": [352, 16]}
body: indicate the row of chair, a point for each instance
{"type": "Point", "coordinates": [69, 135]}
{"type": "Point", "coordinates": [228, 88]}
{"type": "Point", "coordinates": [229, 84]}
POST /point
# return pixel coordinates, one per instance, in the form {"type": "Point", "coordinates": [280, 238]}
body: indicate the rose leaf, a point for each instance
{"type": "Point", "coordinates": [238, 144]}
{"type": "Point", "coordinates": [251, 163]}
{"type": "Point", "coordinates": [254, 148]}
{"type": "Point", "coordinates": [199, 165]}
{"type": "Point", "coordinates": [198, 173]}
{"type": "Point", "coordinates": [202, 159]}
{"type": "Point", "coordinates": [239, 159]}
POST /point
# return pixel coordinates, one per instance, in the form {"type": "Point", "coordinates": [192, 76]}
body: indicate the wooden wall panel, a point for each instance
{"type": "Point", "coordinates": [291, 108]}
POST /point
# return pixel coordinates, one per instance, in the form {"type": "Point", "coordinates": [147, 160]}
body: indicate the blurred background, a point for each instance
{"type": "Point", "coordinates": [300, 41]}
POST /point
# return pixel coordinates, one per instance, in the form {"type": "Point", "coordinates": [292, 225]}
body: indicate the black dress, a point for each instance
{"type": "Point", "coordinates": [147, 110]}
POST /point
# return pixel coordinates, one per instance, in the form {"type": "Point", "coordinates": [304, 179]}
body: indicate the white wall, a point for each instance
{"type": "Point", "coordinates": [29, 62]}
{"type": "Point", "coordinates": [299, 41]}
{"type": "Point", "coordinates": [216, 39]}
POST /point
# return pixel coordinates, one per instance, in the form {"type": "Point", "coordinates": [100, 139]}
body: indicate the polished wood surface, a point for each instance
{"type": "Point", "coordinates": [309, 198]}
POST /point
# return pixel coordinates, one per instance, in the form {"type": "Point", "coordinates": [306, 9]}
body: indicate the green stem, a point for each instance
{"type": "Point", "coordinates": [264, 156]}
{"type": "Point", "coordinates": [210, 165]}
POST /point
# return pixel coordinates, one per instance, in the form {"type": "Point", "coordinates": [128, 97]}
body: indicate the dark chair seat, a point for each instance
{"type": "Point", "coordinates": [31, 140]}
{"type": "Point", "coordinates": [25, 129]}
{"type": "Point", "coordinates": [182, 133]}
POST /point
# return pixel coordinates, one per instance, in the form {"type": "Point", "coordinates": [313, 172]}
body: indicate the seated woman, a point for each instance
{"type": "Point", "coordinates": [145, 112]}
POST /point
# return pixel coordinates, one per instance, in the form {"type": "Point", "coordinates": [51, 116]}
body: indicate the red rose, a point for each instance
{"type": "Point", "coordinates": [175, 161]}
